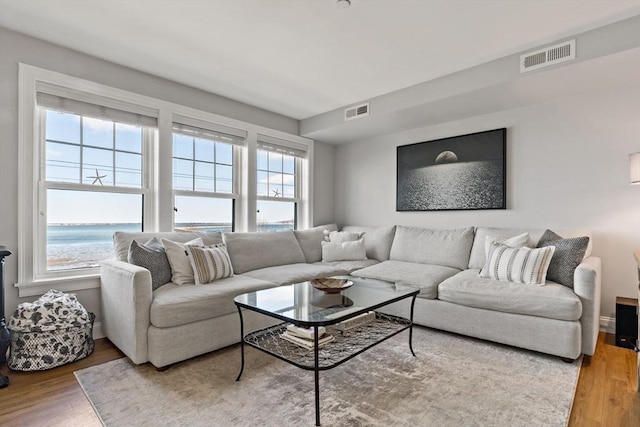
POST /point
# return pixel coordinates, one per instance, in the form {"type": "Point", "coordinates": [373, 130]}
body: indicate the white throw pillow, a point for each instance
{"type": "Point", "coordinates": [518, 265]}
{"type": "Point", "coordinates": [515, 242]}
{"type": "Point", "coordinates": [181, 270]}
{"type": "Point", "coordinates": [341, 236]}
{"type": "Point", "coordinates": [209, 263]}
{"type": "Point", "coordinates": [344, 251]}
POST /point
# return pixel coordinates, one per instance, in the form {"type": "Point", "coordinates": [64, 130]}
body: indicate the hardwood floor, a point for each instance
{"type": "Point", "coordinates": [605, 395]}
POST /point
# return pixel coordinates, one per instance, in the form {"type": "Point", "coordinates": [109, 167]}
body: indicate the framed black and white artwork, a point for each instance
{"type": "Point", "coordinates": [463, 172]}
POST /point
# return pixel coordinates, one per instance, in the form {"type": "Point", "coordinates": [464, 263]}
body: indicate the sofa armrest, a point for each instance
{"type": "Point", "coordinates": [126, 302]}
{"type": "Point", "coordinates": [587, 285]}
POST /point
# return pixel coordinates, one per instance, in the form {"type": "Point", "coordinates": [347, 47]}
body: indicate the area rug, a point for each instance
{"type": "Point", "coordinates": [453, 381]}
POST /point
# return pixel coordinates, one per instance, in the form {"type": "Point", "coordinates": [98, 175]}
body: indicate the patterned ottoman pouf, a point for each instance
{"type": "Point", "coordinates": [51, 331]}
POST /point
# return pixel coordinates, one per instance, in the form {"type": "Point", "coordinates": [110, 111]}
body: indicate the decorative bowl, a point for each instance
{"type": "Point", "coordinates": [331, 285]}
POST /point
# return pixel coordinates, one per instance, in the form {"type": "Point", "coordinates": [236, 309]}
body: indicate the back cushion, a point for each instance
{"type": "Point", "coordinates": [377, 240]}
{"type": "Point", "coordinates": [311, 241]}
{"type": "Point", "coordinates": [122, 240]}
{"type": "Point", "coordinates": [478, 256]}
{"type": "Point", "coordinates": [251, 251]}
{"type": "Point", "coordinates": [448, 248]}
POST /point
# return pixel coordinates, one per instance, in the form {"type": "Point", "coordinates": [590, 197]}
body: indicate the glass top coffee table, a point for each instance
{"type": "Point", "coordinates": [304, 306]}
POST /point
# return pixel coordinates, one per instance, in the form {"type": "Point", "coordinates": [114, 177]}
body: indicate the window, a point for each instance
{"type": "Point", "coordinates": [204, 178]}
{"type": "Point", "coordinates": [278, 188]}
{"type": "Point", "coordinates": [92, 184]}
{"type": "Point", "coordinates": [96, 159]}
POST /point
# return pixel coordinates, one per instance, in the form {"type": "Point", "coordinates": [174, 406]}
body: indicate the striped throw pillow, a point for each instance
{"type": "Point", "coordinates": [517, 265]}
{"type": "Point", "coordinates": [209, 262]}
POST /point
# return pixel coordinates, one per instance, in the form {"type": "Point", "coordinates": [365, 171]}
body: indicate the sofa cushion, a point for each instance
{"type": "Point", "coordinates": [181, 270]}
{"type": "Point", "coordinates": [153, 257]}
{"type": "Point", "coordinates": [209, 263]}
{"type": "Point", "coordinates": [342, 236]}
{"type": "Point", "coordinates": [449, 248]}
{"type": "Point", "coordinates": [178, 305]}
{"type": "Point", "coordinates": [252, 251]}
{"type": "Point", "coordinates": [294, 273]}
{"type": "Point", "coordinates": [348, 266]}
{"type": "Point", "coordinates": [478, 251]}
{"type": "Point", "coordinates": [122, 240]}
{"type": "Point", "coordinates": [377, 240]}
{"type": "Point", "coordinates": [426, 277]}
{"type": "Point", "coordinates": [311, 239]}
{"type": "Point", "coordinates": [517, 265]}
{"type": "Point", "coordinates": [552, 301]}
{"type": "Point", "coordinates": [517, 241]}
{"type": "Point", "coordinates": [567, 256]}
{"type": "Point", "coordinates": [344, 251]}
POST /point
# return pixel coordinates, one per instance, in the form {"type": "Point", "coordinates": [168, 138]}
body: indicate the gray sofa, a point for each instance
{"type": "Point", "coordinates": [174, 323]}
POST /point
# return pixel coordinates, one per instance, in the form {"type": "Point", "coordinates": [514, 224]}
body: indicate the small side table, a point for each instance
{"type": "Point", "coordinates": [4, 332]}
{"type": "Point", "coordinates": [637, 349]}
{"type": "Point", "coordinates": [626, 322]}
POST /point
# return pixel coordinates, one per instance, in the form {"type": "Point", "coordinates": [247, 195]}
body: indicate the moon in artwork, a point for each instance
{"type": "Point", "coordinates": [446, 157]}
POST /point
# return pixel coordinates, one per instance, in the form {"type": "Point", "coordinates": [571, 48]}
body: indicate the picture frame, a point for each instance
{"type": "Point", "coordinates": [465, 172]}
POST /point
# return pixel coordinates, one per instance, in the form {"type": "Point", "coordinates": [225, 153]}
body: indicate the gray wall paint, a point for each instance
{"type": "Point", "coordinates": [567, 166]}
{"type": "Point", "coordinates": [456, 93]}
{"type": "Point", "coordinates": [324, 158]}
{"type": "Point", "coordinates": [15, 48]}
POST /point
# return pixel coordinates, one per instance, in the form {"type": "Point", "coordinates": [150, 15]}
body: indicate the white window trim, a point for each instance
{"type": "Point", "coordinates": [158, 167]}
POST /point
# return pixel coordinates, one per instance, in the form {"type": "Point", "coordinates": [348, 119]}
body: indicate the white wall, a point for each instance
{"type": "Point", "coordinates": [16, 48]}
{"type": "Point", "coordinates": [323, 171]}
{"type": "Point", "coordinates": [567, 168]}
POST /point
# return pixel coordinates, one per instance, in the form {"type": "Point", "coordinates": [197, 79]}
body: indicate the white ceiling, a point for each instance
{"type": "Point", "coordinates": [305, 57]}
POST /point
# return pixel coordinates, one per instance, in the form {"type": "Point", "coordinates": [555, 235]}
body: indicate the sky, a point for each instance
{"type": "Point", "coordinates": [111, 154]}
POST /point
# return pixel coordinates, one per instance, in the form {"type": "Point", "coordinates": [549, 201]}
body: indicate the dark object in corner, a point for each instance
{"type": "Point", "coordinates": [4, 332]}
{"type": "Point", "coordinates": [626, 322]}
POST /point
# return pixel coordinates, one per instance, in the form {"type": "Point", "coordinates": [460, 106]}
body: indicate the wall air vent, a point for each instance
{"type": "Point", "coordinates": [356, 112]}
{"type": "Point", "coordinates": [551, 55]}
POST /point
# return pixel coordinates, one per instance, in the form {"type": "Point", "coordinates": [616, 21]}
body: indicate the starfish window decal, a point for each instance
{"type": "Point", "coordinates": [97, 178]}
{"type": "Point", "coordinates": [276, 193]}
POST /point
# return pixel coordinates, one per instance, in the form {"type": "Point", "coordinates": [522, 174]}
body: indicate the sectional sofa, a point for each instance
{"type": "Point", "coordinates": [174, 323]}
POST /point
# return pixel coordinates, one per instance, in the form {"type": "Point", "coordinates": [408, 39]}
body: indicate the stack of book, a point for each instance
{"type": "Point", "coordinates": [304, 337]}
{"type": "Point", "coordinates": [357, 321]}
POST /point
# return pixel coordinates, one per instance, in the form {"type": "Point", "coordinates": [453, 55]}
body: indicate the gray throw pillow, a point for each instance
{"type": "Point", "coordinates": [567, 256]}
{"type": "Point", "coordinates": [151, 256]}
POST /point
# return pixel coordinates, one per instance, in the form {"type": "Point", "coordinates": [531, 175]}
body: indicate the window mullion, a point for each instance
{"type": "Point", "coordinates": [193, 164]}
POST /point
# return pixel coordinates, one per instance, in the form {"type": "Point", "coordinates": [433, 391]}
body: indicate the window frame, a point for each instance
{"type": "Point", "coordinates": [298, 167]}
{"type": "Point", "coordinates": [41, 271]}
{"type": "Point", "coordinates": [157, 166]}
{"type": "Point", "coordinates": [234, 195]}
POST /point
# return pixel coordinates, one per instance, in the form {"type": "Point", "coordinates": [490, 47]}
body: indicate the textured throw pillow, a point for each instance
{"type": "Point", "coordinates": [341, 236]}
{"type": "Point", "coordinates": [514, 242]}
{"type": "Point", "coordinates": [344, 251]}
{"type": "Point", "coordinates": [151, 256]}
{"type": "Point", "coordinates": [209, 263]}
{"type": "Point", "coordinates": [517, 265]}
{"type": "Point", "coordinates": [568, 255]}
{"type": "Point", "coordinates": [181, 271]}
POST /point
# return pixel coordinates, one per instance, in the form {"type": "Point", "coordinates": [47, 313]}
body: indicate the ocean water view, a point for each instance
{"type": "Point", "coordinates": [73, 246]}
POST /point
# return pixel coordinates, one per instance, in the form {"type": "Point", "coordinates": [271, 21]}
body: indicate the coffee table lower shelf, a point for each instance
{"type": "Point", "coordinates": [344, 346]}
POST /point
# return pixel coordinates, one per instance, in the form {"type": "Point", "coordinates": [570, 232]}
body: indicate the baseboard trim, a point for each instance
{"type": "Point", "coordinates": [608, 324]}
{"type": "Point", "coordinates": [97, 330]}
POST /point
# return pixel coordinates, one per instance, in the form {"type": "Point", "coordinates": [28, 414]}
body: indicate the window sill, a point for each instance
{"type": "Point", "coordinates": [66, 284]}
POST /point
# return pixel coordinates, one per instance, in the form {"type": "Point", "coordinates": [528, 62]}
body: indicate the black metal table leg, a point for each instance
{"type": "Point", "coordinates": [241, 343]}
{"type": "Point", "coordinates": [316, 373]}
{"type": "Point", "coordinates": [413, 301]}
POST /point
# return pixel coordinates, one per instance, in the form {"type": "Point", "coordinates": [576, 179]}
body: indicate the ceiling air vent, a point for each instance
{"type": "Point", "coordinates": [548, 56]}
{"type": "Point", "coordinates": [356, 112]}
